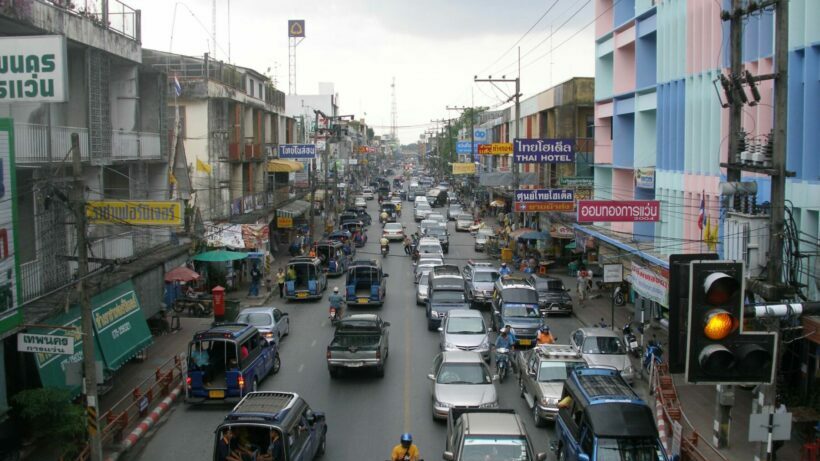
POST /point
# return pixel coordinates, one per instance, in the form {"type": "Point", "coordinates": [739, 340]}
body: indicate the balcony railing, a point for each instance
{"type": "Point", "coordinates": [135, 145]}
{"type": "Point", "coordinates": [31, 143]}
{"type": "Point", "coordinates": [31, 280]}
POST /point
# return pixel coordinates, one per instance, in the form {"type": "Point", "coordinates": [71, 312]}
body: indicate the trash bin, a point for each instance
{"type": "Point", "coordinates": [506, 255]}
{"type": "Point", "coordinates": [231, 310]}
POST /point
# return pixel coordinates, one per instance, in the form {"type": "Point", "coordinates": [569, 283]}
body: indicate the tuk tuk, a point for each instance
{"type": "Point", "coordinates": [390, 209]}
{"type": "Point", "coordinates": [305, 279]}
{"type": "Point", "coordinates": [365, 284]}
{"type": "Point", "coordinates": [356, 230]}
{"type": "Point", "coordinates": [331, 254]}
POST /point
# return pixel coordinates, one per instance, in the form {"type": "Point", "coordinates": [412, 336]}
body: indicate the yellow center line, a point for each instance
{"type": "Point", "coordinates": [407, 365]}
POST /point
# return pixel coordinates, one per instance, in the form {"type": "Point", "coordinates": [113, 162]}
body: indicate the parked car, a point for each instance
{"type": "Point", "coordinates": [359, 341]}
{"type": "Point", "coordinates": [553, 296]}
{"type": "Point", "coordinates": [463, 222]}
{"type": "Point", "coordinates": [603, 347]}
{"type": "Point", "coordinates": [461, 379]}
{"type": "Point", "coordinates": [272, 322]}
{"type": "Point", "coordinates": [542, 373]}
{"type": "Point", "coordinates": [479, 281]}
{"type": "Point", "coordinates": [422, 289]}
{"type": "Point", "coordinates": [464, 330]}
{"type": "Point", "coordinates": [479, 434]}
{"type": "Point", "coordinates": [260, 414]}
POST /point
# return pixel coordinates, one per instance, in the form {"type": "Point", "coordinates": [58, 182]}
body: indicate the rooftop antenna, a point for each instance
{"type": "Point", "coordinates": [393, 110]}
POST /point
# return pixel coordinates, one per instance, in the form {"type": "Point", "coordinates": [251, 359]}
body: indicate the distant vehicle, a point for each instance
{"type": "Point", "coordinates": [359, 341]}
{"type": "Point", "coordinates": [259, 414]}
{"type": "Point", "coordinates": [445, 293]}
{"type": "Point", "coordinates": [421, 211]}
{"type": "Point", "coordinates": [454, 210]}
{"type": "Point", "coordinates": [479, 280]}
{"type": "Point", "coordinates": [367, 192]}
{"type": "Point", "coordinates": [553, 296]}
{"type": "Point", "coordinates": [464, 330]}
{"type": "Point", "coordinates": [422, 289]}
{"type": "Point", "coordinates": [360, 201]}
{"type": "Point", "coordinates": [366, 284]}
{"type": "Point", "coordinates": [482, 237]}
{"type": "Point", "coordinates": [438, 217]}
{"type": "Point", "coordinates": [442, 235]}
{"type": "Point", "coordinates": [272, 322]}
{"type": "Point", "coordinates": [436, 197]}
{"type": "Point", "coordinates": [430, 246]}
{"type": "Point", "coordinates": [331, 254]}
{"type": "Point", "coordinates": [426, 264]}
{"type": "Point", "coordinates": [603, 347]}
{"type": "Point", "coordinates": [463, 222]}
{"type": "Point", "coordinates": [393, 231]}
{"type": "Point", "coordinates": [478, 434]}
{"type": "Point", "coordinates": [461, 379]}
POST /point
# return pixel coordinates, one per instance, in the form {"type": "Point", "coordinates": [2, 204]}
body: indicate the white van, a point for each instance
{"type": "Point", "coordinates": [419, 199]}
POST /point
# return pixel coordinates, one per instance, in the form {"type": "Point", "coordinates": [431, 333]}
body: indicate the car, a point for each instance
{"type": "Point", "coordinates": [543, 370]}
{"type": "Point", "coordinates": [359, 341]}
{"type": "Point", "coordinates": [426, 224]}
{"type": "Point", "coordinates": [445, 293]}
{"type": "Point", "coordinates": [479, 280]}
{"type": "Point", "coordinates": [454, 210]}
{"type": "Point", "coordinates": [422, 289]}
{"type": "Point", "coordinates": [461, 379]}
{"type": "Point", "coordinates": [360, 201]}
{"type": "Point", "coordinates": [437, 217]}
{"type": "Point", "coordinates": [479, 434]}
{"type": "Point", "coordinates": [605, 348]}
{"type": "Point", "coordinates": [421, 212]}
{"type": "Point", "coordinates": [481, 238]}
{"type": "Point", "coordinates": [368, 193]}
{"type": "Point", "coordinates": [553, 296]}
{"type": "Point", "coordinates": [515, 303]}
{"type": "Point", "coordinates": [420, 198]}
{"type": "Point", "coordinates": [441, 234]}
{"type": "Point", "coordinates": [272, 322]}
{"type": "Point", "coordinates": [393, 231]}
{"type": "Point", "coordinates": [430, 246]}
{"type": "Point", "coordinates": [463, 222]}
{"type": "Point", "coordinates": [464, 330]}
{"type": "Point", "coordinates": [428, 263]}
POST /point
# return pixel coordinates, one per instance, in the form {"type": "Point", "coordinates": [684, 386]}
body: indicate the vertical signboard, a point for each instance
{"type": "Point", "coordinates": [9, 291]}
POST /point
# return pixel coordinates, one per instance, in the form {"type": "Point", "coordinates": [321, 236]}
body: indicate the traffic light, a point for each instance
{"type": "Point", "coordinates": [718, 350]}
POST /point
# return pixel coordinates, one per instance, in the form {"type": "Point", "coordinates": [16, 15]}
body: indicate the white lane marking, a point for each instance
{"type": "Point", "coordinates": [301, 367]}
{"type": "Point", "coordinates": [313, 344]}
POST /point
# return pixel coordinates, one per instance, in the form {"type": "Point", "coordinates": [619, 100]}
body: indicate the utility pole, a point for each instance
{"type": "Point", "coordinates": [89, 358]}
{"type": "Point", "coordinates": [735, 110]}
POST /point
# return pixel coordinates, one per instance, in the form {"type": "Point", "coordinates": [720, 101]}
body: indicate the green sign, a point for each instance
{"type": "Point", "coordinates": [10, 315]}
{"type": "Point", "coordinates": [577, 181]}
{"type": "Point", "coordinates": [120, 331]}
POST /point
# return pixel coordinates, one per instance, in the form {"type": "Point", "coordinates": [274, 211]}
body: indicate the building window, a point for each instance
{"type": "Point", "coordinates": [261, 94]}
{"type": "Point", "coordinates": [251, 85]}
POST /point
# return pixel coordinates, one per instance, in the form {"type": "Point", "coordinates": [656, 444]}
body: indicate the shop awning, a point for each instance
{"type": "Point", "coordinates": [293, 209]}
{"type": "Point", "coordinates": [120, 332]}
{"type": "Point", "coordinates": [607, 237]}
{"type": "Point", "coordinates": [284, 166]}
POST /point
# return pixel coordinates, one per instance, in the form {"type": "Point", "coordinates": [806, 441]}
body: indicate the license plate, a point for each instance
{"type": "Point", "coordinates": [355, 364]}
{"type": "Point", "coordinates": [633, 344]}
{"type": "Point", "coordinates": [301, 295]}
{"type": "Point", "coordinates": [216, 394]}
{"type": "Point", "coordinates": [364, 300]}
{"type": "Point", "coordinates": [525, 342]}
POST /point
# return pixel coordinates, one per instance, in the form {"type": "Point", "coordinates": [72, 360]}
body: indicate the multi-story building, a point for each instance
{"type": "Point", "coordinates": [661, 134]}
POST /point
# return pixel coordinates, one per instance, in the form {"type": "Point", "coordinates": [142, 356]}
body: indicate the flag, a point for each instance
{"type": "Point", "coordinates": [706, 230]}
{"type": "Point", "coordinates": [203, 167]}
{"type": "Point", "coordinates": [177, 87]}
{"type": "Point", "coordinates": [712, 238]}
{"type": "Point", "coordinates": [171, 178]}
{"type": "Point", "coordinates": [702, 211]}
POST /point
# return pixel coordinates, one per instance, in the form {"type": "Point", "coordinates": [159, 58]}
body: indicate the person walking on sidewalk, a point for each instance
{"type": "Point", "coordinates": [584, 279]}
{"type": "Point", "coordinates": [256, 277]}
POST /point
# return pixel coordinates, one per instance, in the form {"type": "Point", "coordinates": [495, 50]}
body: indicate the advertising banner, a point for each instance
{"type": "Point", "coordinates": [135, 212]}
{"type": "Point", "coordinates": [496, 148]}
{"type": "Point", "coordinates": [649, 284]}
{"type": "Point", "coordinates": [283, 222]}
{"type": "Point", "coordinates": [463, 147]}
{"type": "Point", "coordinates": [645, 178]}
{"type": "Point", "coordinates": [544, 200]}
{"type": "Point", "coordinates": [10, 315]}
{"type": "Point", "coordinates": [619, 211]}
{"type": "Point", "coordinates": [33, 69]}
{"type": "Point", "coordinates": [480, 134]}
{"type": "Point", "coordinates": [50, 344]}
{"type": "Point", "coordinates": [544, 151]}
{"type": "Point", "coordinates": [577, 181]}
{"type": "Point", "coordinates": [297, 151]}
{"type": "Point", "coordinates": [463, 168]}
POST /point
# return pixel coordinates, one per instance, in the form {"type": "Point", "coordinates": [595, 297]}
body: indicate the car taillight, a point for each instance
{"type": "Point", "coordinates": [241, 382]}
{"type": "Point", "coordinates": [378, 354]}
{"type": "Point", "coordinates": [188, 381]}
{"type": "Point", "coordinates": [328, 353]}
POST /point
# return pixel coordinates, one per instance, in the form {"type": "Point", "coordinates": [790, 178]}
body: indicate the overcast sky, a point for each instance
{"type": "Point", "coordinates": [432, 47]}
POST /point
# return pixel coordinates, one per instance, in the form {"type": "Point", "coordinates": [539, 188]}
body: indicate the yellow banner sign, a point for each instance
{"type": "Point", "coordinates": [496, 148]}
{"type": "Point", "coordinates": [283, 222]}
{"type": "Point", "coordinates": [135, 212]}
{"type": "Point", "coordinates": [463, 168]}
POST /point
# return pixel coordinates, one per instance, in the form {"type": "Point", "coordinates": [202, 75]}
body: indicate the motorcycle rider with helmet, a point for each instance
{"type": "Point", "coordinates": [405, 450]}
{"type": "Point", "coordinates": [336, 301]}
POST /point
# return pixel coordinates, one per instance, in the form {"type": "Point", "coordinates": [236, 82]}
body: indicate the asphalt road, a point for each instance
{"type": "Point", "coordinates": [365, 414]}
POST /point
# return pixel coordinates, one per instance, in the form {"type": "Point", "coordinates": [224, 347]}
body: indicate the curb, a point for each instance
{"type": "Point", "coordinates": [661, 422]}
{"type": "Point", "coordinates": [146, 423]}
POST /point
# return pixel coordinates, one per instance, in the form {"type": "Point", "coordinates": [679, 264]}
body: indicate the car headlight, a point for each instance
{"type": "Point", "coordinates": [433, 314]}
{"type": "Point", "coordinates": [549, 402]}
{"type": "Point", "coordinates": [442, 404]}
{"type": "Point", "coordinates": [449, 346]}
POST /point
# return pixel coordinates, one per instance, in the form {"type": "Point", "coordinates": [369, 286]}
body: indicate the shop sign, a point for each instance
{"type": "Point", "coordinates": [297, 151]}
{"type": "Point", "coordinates": [300, 179]}
{"type": "Point", "coordinates": [283, 222]}
{"type": "Point", "coordinates": [49, 344]}
{"type": "Point", "coordinates": [583, 193]}
{"type": "Point", "coordinates": [296, 28]}
{"type": "Point", "coordinates": [544, 151]}
{"type": "Point", "coordinates": [463, 168]}
{"type": "Point", "coordinates": [649, 284]}
{"type": "Point", "coordinates": [560, 231]}
{"type": "Point", "coordinates": [618, 211]}
{"type": "Point", "coordinates": [496, 148]}
{"type": "Point", "coordinates": [33, 69]}
{"type": "Point", "coordinates": [645, 178]}
{"type": "Point", "coordinates": [613, 273]}
{"type": "Point", "coordinates": [135, 212]}
{"type": "Point", "coordinates": [10, 315]}
{"type": "Point", "coordinates": [463, 147]}
{"type": "Point", "coordinates": [544, 200]}
{"type": "Point", "coordinates": [577, 181]}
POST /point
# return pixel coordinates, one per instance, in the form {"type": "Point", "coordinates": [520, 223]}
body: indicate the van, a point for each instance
{"type": "Point", "coordinates": [436, 197]}
{"type": "Point", "coordinates": [419, 199]}
{"type": "Point", "coordinates": [605, 420]}
{"type": "Point", "coordinates": [261, 417]}
{"type": "Point", "coordinates": [227, 361]}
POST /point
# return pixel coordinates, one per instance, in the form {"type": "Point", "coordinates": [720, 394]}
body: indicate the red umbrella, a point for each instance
{"type": "Point", "coordinates": [181, 274]}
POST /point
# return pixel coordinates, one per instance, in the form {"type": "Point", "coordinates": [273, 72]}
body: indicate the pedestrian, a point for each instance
{"type": "Point", "coordinates": [583, 284]}
{"type": "Point", "coordinates": [268, 283]}
{"type": "Point", "coordinates": [256, 277]}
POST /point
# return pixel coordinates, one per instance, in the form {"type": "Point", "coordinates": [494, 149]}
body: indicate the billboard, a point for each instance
{"type": "Point", "coordinates": [544, 200]}
{"type": "Point", "coordinates": [33, 69]}
{"type": "Point", "coordinates": [297, 151]}
{"type": "Point", "coordinates": [296, 28]}
{"type": "Point", "coordinates": [10, 315]}
{"type": "Point", "coordinates": [135, 212]}
{"type": "Point", "coordinates": [463, 168]}
{"type": "Point", "coordinates": [619, 211]}
{"type": "Point", "coordinates": [496, 148]}
{"type": "Point", "coordinates": [544, 151]}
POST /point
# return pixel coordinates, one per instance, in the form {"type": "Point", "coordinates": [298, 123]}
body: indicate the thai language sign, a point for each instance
{"type": "Point", "coordinates": [463, 147]}
{"type": "Point", "coordinates": [33, 69]}
{"type": "Point", "coordinates": [544, 200]}
{"type": "Point", "coordinates": [645, 178]}
{"type": "Point", "coordinates": [496, 148]}
{"type": "Point", "coordinates": [135, 212]}
{"type": "Point", "coordinates": [649, 284]}
{"type": "Point", "coordinates": [463, 168]}
{"type": "Point", "coordinates": [619, 210]}
{"type": "Point", "coordinates": [576, 181]}
{"type": "Point", "coordinates": [50, 344]}
{"type": "Point", "coordinates": [297, 151]}
{"type": "Point", "coordinates": [10, 315]}
{"type": "Point", "coordinates": [544, 151]}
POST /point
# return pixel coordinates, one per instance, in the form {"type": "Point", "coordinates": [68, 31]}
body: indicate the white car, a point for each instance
{"type": "Point", "coordinates": [431, 247]}
{"type": "Point", "coordinates": [421, 289]}
{"type": "Point", "coordinates": [463, 222]}
{"type": "Point", "coordinates": [603, 347]}
{"type": "Point", "coordinates": [422, 210]}
{"type": "Point", "coordinates": [437, 217]}
{"type": "Point", "coordinates": [360, 201]}
{"type": "Point", "coordinates": [393, 231]}
{"type": "Point", "coordinates": [367, 192]}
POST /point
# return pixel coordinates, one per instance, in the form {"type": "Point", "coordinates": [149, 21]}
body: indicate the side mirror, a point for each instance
{"type": "Point", "coordinates": [583, 457]}
{"type": "Point", "coordinates": [284, 314]}
{"type": "Point", "coordinates": [541, 457]}
{"type": "Point", "coordinates": [387, 324]}
{"type": "Point", "coordinates": [448, 456]}
{"type": "Point", "coordinates": [431, 377]}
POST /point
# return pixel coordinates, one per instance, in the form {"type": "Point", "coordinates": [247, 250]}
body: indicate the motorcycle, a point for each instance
{"type": "Point", "coordinates": [631, 340]}
{"type": "Point", "coordinates": [502, 362]}
{"type": "Point", "coordinates": [385, 250]}
{"type": "Point", "coordinates": [620, 295]}
{"type": "Point", "coordinates": [653, 355]}
{"type": "Point", "coordinates": [335, 314]}
{"type": "Point", "coordinates": [199, 305]}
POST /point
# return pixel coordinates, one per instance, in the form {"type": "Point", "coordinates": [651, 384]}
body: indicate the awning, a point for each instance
{"type": "Point", "coordinates": [612, 240]}
{"type": "Point", "coordinates": [293, 209]}
{"type": "Point", "coordinates": [284, 166]}
{"type": "Point", "coordinates": [120, 332]}
{"type": "Point", "coordinates": [218, 256]}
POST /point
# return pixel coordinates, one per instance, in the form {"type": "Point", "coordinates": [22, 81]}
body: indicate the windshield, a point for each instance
{"type": "Point", "coordinates": [521, 311]}
{"type": "Point", "coordinates": [464, 217]}
{"type": "Point", "coordinates": [556, 371]}
{"type": "Point", "coordinates": [430, 249]}
{"type": "Point", "coordinates": [257, 319]}
{"type": "Point", "coordinates": [463, 373]}
{"type": "Point", "coordinates": [465, 326]}
{"type": "Point", "coordinates": [485, 276]}
{"type": "Point", "coordinates": [603, 345]}
{"type": "Point", "coordinates": [520, 295]}
{"type": "Point", "coordinates": [507, 449]}
{"type": "Point", "coordinates": [437, 231]}
{"type": "Point", "coordinates": [448, 297]}
{"type": "Point", "coordinates": [423, 206]}
{"type": "Point", "coordinates": [631, 449]}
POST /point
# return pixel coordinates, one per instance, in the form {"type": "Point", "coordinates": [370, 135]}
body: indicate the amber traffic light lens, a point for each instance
{"type": "Point", "coordinates": [719, 324]}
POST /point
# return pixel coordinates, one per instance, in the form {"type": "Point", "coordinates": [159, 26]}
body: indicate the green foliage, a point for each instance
{"type": "Point", "coordinates": [48, 413]}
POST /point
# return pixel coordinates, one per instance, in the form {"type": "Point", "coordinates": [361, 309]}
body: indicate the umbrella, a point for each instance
{"type": "Point", "coordinates": [497, 203]}
{"type": "Point", "coordinates": [220, 256]}
{"type": "Point", "coordinates": [532, 235]}
{"type": "Point", "coordinates": [570, 246]}
{"type": "Point", "coordinates": [181, 274]}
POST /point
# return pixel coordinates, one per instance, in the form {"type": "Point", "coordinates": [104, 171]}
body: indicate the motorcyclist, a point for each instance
{"type": "Point", "coordinates": [505, 270]}
{"type": "Point", "coordinates": [504, 340]}
{"type": "Point", "coordinates": [544, 336]}
{"type": "Point", "coordinates": [407, 245]}
{"type": "Point", "coordinates": [383, 217]}
{"type": "Point", "coordinates": [405, 450]}
{"type": "Point", "coordinates": [385, 244]}
{"type": "Point", "coordinates": [336, 300]}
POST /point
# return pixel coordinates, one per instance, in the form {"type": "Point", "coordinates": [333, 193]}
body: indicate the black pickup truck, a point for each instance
{"type": "Point", "coordinates": [360, 341]}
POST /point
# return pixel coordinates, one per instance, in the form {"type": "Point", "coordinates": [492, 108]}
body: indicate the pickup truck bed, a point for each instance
{"type": "Point", "coordinates": [357, 350]}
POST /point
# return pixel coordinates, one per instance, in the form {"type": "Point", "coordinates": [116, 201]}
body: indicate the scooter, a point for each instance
{"type": "Point", "coordinates": [335, 314]}
{"type": "Point", "coordinates": [653, 355]}
{"type": "Point", "coordinates": [631, 340]}
{"type": "Point", "coordinates": [502, 362]}
{"type": "Point", "coordinates": [385, 250]}
{"type": "Point", "coordinates": [620, 295]}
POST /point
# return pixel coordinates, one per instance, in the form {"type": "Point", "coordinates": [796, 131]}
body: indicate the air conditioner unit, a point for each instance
{"type": "Point", "coordinates": [746, 238]}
